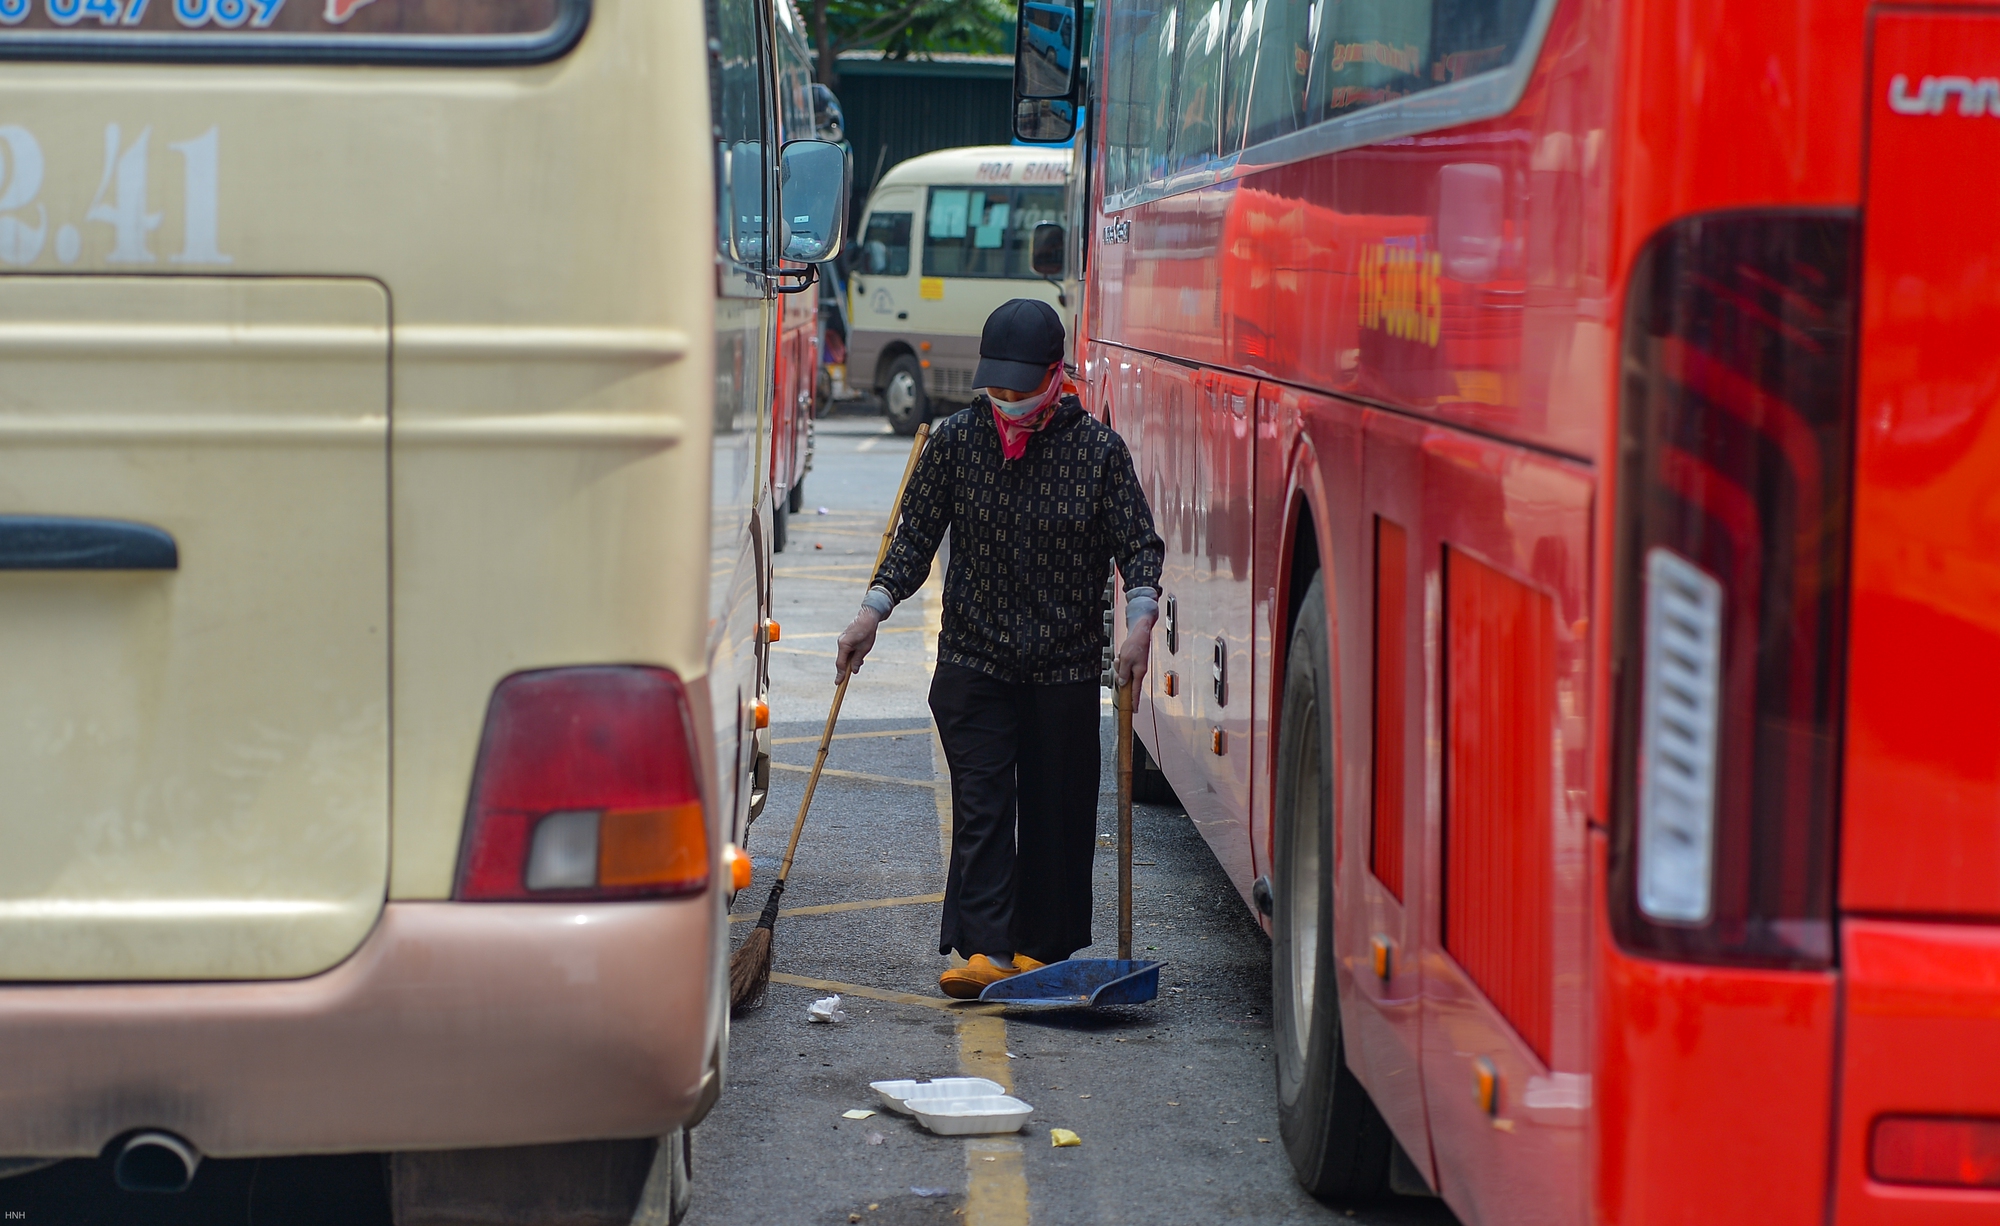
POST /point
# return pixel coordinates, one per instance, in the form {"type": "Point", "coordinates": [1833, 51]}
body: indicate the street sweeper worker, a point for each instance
{"type": "Point", "coordinates": [1040, 498]}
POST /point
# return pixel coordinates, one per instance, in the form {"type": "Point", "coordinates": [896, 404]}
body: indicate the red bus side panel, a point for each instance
{"type": "Point", "coordinates": [1922, 1039]}
{"type": "Point", "coordinates": [1712, 1094]}
{"type": "Point", "coordinates": [1385, 852]}
{"type": "Point", "coordinates": [1499, 707]}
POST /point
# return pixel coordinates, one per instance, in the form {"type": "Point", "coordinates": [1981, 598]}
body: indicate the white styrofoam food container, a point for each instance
{"type": "Point", "coordinates": [896, 1095]}
{"type": "Point", "coordinates": [958, 1117]}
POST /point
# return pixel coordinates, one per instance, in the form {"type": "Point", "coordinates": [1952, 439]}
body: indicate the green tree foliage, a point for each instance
{"type": "Point", "coordinates": [901, 28]}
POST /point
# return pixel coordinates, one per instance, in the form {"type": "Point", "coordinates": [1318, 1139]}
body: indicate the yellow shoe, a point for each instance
{"type": "Point", "coordinates": [1023, 962]}
{"type": "Point", "coordinates": [968, 981]}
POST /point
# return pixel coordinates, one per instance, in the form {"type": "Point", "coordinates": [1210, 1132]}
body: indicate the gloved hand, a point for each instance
{"type": "Point", "coordinates": [1129, 666]}
{"type": "Point", "coordinates": [855, 643]}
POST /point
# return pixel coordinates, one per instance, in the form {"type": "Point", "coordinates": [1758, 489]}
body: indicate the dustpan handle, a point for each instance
{"type": "Point", "coordinates": [1124, 752]}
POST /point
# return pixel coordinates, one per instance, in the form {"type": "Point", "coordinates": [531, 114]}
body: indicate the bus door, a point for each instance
{"type": "Point", "coordinates": [1216, 610]}
{"type": "Point", "coordinates": [1387, 678]}
{"type": "Point", "coordinates": [885, 277]}
{"type": "Point", "coordinates": [1499, 565]}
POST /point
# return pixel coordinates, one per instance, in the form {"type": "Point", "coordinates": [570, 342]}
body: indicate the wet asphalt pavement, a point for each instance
{"type": "Point", "coordinates": [1172, 1100]}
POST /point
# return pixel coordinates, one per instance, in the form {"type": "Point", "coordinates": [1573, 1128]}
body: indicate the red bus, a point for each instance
{"type": "Point", "coordinates": [1568, 421]}
{"type": "Point", "coordinates": [795, 364]}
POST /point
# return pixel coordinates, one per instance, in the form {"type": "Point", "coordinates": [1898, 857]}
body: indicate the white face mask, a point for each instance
{"type": "Point", "coordinates": [1013, 408]}
{"type": "Point", "coordinates": [1004, 399]}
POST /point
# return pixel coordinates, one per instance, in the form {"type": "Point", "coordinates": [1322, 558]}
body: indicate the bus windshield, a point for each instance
{"type": "Point", "coordinates": [985, 231]}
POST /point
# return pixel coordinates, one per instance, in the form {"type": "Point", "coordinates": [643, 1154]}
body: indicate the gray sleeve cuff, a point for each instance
{"type": "Point", "coordinates": [1141, 602]}
{"type": "Point", "coordinates": [879, 599]}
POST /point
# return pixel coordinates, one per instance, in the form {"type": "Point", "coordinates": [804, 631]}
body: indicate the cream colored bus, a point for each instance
{"type": "Point", "coordinates": [383, 573]}
{"type": "Point", "coordinates": [946, 238]}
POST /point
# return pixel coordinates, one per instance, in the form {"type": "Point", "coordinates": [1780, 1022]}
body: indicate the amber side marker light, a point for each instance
{"type": "Point", "coordinates": [740, 868]}
{"type": "Point", "coordinates": [1943, 1152]}
{"type": "Point", "coordinates": [586, 788]}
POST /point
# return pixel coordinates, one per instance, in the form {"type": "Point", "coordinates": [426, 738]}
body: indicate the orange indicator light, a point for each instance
{"type": "Point", "coordinates": [652, 846]}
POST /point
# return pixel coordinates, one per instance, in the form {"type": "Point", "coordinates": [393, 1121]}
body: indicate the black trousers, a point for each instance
{"type": "Point", "coordinates": [1024, 762]}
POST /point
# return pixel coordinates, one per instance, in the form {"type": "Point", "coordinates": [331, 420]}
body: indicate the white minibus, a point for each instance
{"type": "Point", "coordinates": [947, 237]}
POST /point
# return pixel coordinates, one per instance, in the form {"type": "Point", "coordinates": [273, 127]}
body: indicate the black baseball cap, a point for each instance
{"type": "Point", "coordinates": [1023, 338]}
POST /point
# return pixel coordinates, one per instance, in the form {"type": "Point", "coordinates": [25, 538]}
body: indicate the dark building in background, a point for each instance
{"type": "Point", "coordinates": [897, 109]}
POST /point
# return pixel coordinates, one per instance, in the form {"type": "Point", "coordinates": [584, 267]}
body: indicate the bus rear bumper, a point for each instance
{"type": "Point", "coordinates": [454, 1025]}
{"type": "Point", "coordinates": [1921, 1039]}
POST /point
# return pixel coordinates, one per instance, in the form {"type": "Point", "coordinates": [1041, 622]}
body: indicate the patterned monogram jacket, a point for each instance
{"type": "Point", "coordinates": [1031, 543]}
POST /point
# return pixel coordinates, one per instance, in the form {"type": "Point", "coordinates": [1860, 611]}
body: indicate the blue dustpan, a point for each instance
{"type": "Point", "coordinates": [1080, 981]}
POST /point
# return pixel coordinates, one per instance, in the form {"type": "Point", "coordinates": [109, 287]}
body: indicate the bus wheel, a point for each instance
{"type": "Point", "coordinates": [796, 500]}
{"type": "Point", "coordinates": [903, 399]}
{"type": "Point", "coordinates": [677, 1148]}
{"type": "Point", "coordinates": [779, 525]}
{"type": "Point", "coordinates": [1337, 1141]}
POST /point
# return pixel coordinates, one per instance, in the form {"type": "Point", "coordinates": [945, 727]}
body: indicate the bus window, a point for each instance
{"type": "Point", "coordinates": [1139, 127]}
{"type": "Point", "coordinates": [739, 123]}
{"type": "Point", "coordinates": [512, 31]}
{"type": "Point", "coordinates": [1239, 52]}
{"type": "Point", "coordinates": [986, 232]}
{"type": "Point", "coordinates": [885, 247]}
{"type": "Point", "coordinates": [1378, 50]}
{"type": "Point", "coordinates": [1269, 60]}
{"type": "Point", "coordinates": [1200, 82]}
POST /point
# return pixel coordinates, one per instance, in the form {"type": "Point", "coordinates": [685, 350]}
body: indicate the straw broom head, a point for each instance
{"type": "Point", "coordinates": [750, 970]}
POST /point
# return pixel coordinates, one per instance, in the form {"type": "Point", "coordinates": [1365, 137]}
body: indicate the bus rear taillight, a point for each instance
{"type": "Point", "coordinates": [1735, 445]}
{"type": "Point", "coordinates": [587, 787]}
{"type": "Point", "coordinates": [1955, 1153]}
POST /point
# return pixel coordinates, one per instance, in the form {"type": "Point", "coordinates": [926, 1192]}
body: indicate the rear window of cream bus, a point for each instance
{"type": "Point", "coordinates": [293, 31]}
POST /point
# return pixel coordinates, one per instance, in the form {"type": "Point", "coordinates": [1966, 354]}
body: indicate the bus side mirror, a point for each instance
{"type": "Point", "coordinates": [1045, 255]}
{"type": "Point", "coordinates": [812, 200]}
{"type": "Point", "coordinates": [1048, 77]}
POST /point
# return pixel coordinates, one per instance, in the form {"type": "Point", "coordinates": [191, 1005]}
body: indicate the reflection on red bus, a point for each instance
{"type": "Point", "coordinates": [1581, 605]}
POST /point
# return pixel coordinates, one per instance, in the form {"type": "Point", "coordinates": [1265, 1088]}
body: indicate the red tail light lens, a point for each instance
{"type": "Point", "coordinates": [1735, 439]}
{"type": "Point", "coordinates": [587, 787]}
{"type": "Point", "coordinates": [1945, 1152]}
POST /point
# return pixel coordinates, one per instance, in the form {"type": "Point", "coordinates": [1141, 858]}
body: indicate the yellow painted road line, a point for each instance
{"type": "Point", "coordinates": [865, 904]}
{"type": "Point", "coordinates": [852, 736]}
{"type": "Point", "coordinates": [996, 1183]}
{"type": "Point", "coordinates": [943, 1003]}
{"type": "Point", "coordinates": [996, 1186]}
{"type": "Point", "coordinates": [830, 773]}
{"type": "Point", "coordinates": [834, 634]}
{"type": "Point", "coordinates": [821, 568]}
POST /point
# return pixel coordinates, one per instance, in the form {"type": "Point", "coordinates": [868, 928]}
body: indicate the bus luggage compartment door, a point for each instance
{"type": "Point", "coordinates": [193, 625]}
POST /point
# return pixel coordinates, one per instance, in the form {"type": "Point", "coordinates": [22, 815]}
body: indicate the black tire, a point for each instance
{"type": "Point", "coordinates": [1337, 1141]}
{"type": "Point", "coordinates": [903, 400]}
{"type": "Point", "coordinates": [779, 527]}
{"type": "Point", "coordinates": [1149, 782]}
{"type": "Point", "coordinates": [796, 500]}
{"type": "Point", "coordinates": [680, 1196]}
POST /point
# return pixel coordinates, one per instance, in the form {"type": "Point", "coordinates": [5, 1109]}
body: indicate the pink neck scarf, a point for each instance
{"type": "Point", "coordinates": [1014, 431]}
